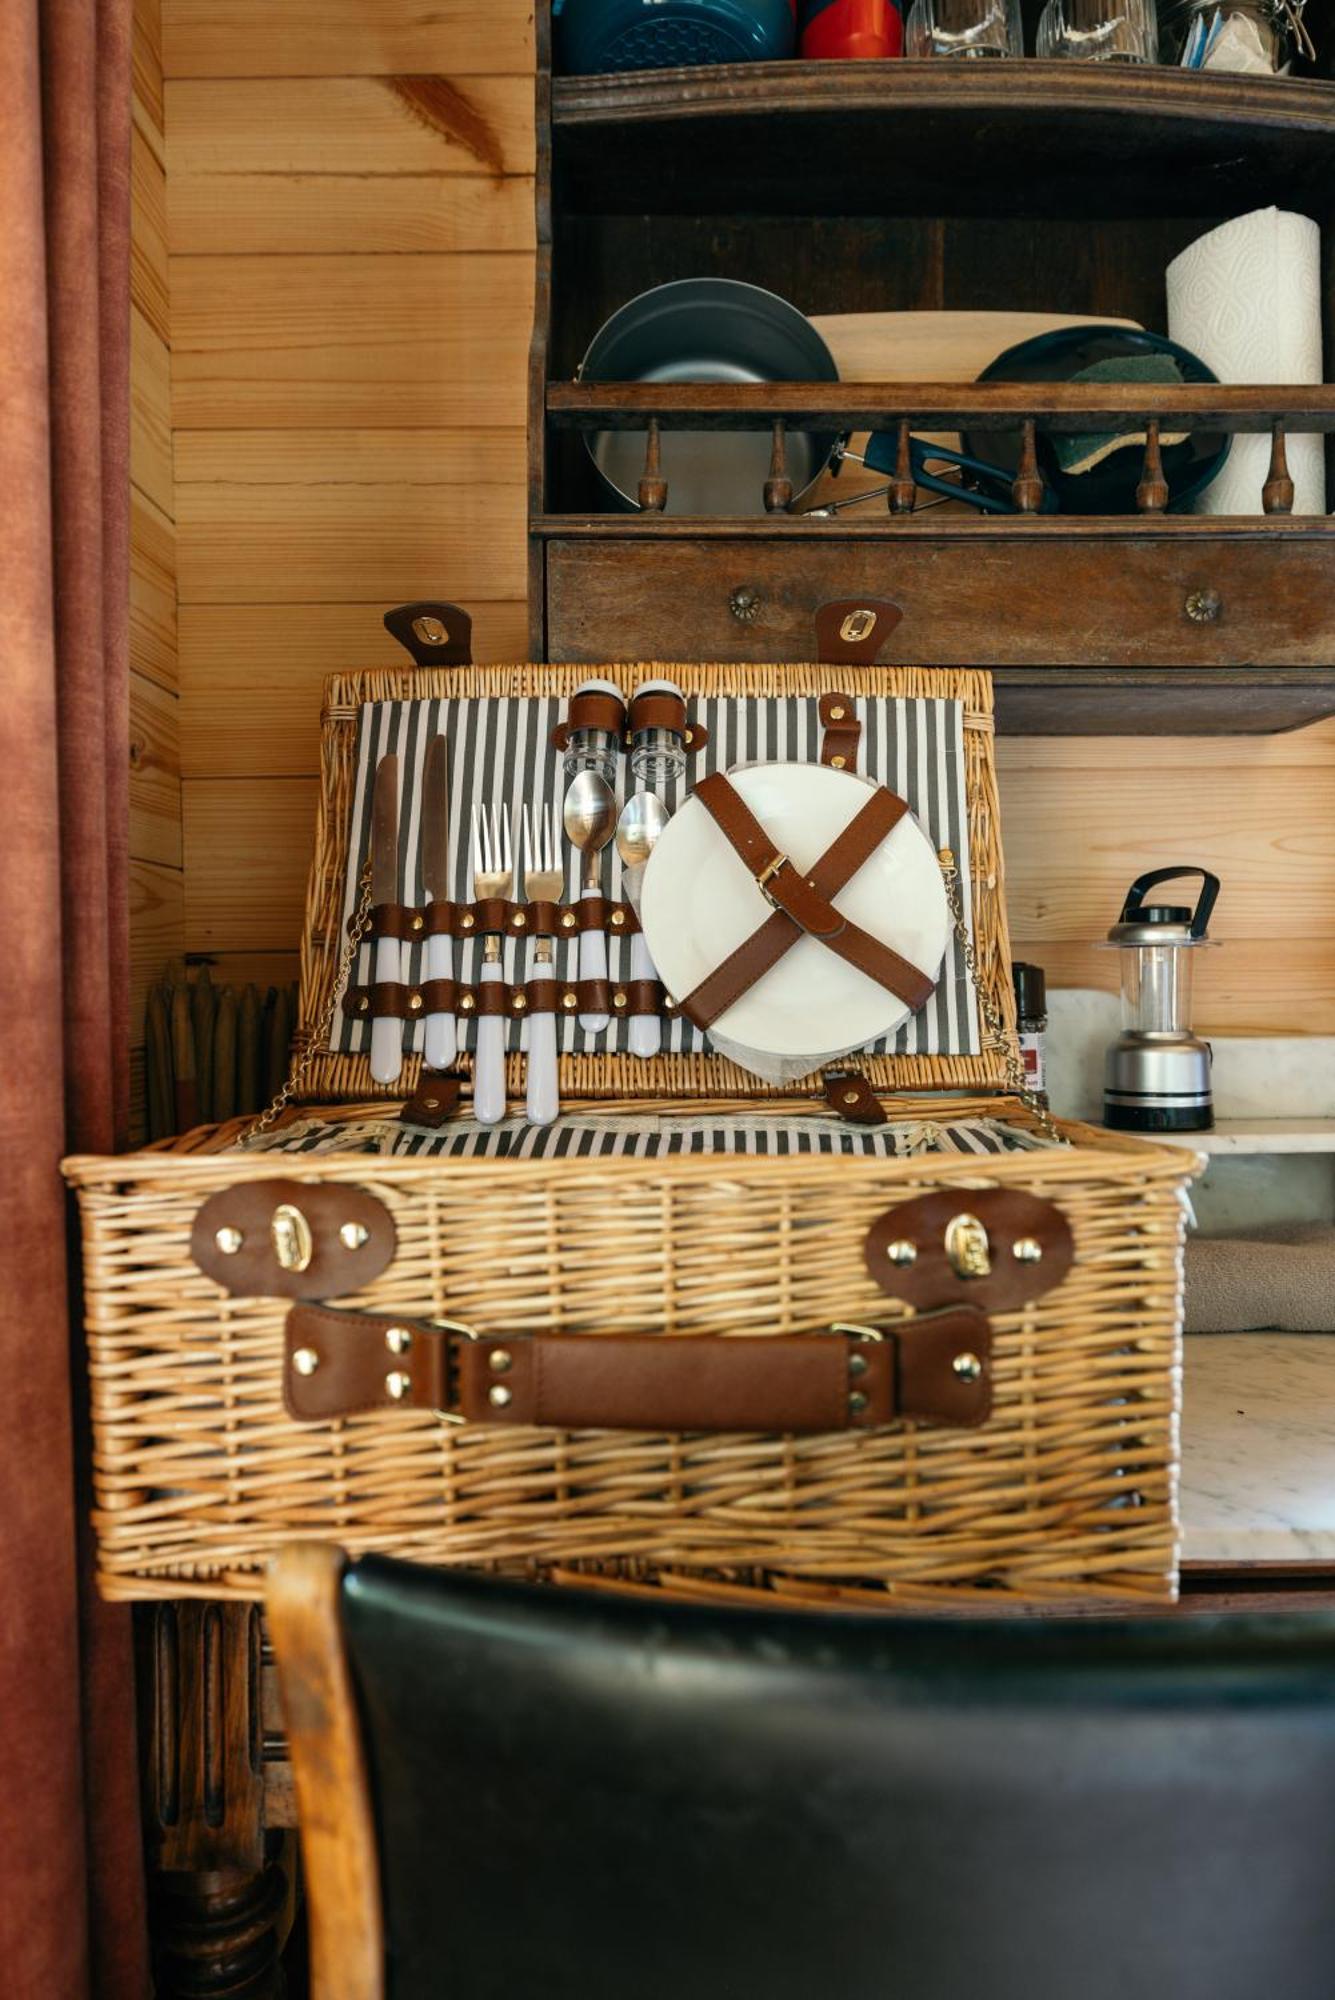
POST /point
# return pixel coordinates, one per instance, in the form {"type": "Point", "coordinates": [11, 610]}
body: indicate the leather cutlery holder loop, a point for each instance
{"type": "Point", "coordinates": [841, 732]}
{"type": "Point", "coordinates": [497, 917]}
{"type": "Point", "coordinates": [400, 1002]}
{"type": "Point", "coordinates": [935, 1369]}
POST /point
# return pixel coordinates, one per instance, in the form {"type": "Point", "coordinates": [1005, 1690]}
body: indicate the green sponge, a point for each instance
{"type": "Point", "coordinates": [1081, 451]}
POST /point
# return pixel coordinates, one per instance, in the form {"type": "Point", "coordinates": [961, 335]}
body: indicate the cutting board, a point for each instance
{"type": "Point", "coordinates": [922, 347]}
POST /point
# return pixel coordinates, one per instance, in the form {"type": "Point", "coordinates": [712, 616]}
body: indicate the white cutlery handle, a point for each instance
{"type": "Point", "coordinates": [543, 1100]}
{"type": "Point", "coordinates": [386, 1032]}
{"type": "Point", "coordinates": [489, 1059]}
{"type": "Point", "coordinates": [592, 965]}
{"type": "Point", "coordinates": [646, 1030]}
{"type": "Point", "coordinates": [441, 1042]}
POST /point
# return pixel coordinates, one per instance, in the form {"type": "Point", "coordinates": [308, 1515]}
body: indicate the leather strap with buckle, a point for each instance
{"type": "Point", "coordinates": [935, 1368]}
{"type": "Point", "coordinates": [802, 904]}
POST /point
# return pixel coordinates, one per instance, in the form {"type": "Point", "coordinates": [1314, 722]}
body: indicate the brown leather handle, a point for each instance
{"type": "Point", "coordinates": [936, 1368]}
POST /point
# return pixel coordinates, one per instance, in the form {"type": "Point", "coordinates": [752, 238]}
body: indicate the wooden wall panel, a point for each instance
{"type": "Point", "coordinates": [249, 843]}
{"type": "Point", "coordinates": [157, 887]}
{"type": "Point", "coordinates": [251, 676]}
{"type": "Point", "coordinates": [300, 342]}
{"type": "Point", "coordinates": [348, 37]}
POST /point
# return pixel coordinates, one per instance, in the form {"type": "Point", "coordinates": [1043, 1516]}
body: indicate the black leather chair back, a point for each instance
{"type": "Point", "coordinates": [596, 1798]}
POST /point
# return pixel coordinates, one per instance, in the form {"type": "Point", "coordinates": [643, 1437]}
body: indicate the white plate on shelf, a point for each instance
{"type": "Point", "coordinates": [700, 901]}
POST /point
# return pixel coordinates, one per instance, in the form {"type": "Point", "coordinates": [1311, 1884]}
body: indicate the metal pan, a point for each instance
{"type": "Point", "coordinates": [707, 330]}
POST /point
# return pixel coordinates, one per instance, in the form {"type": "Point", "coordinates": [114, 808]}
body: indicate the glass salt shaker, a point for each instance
{"type": "Point", "coordinates": [594, 749]}
{"type": "Point", "coordinates": [657, 754]}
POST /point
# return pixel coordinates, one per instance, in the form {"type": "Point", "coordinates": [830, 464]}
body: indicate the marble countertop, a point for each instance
{"type": "Point", "coordinates": [1258, 1448]}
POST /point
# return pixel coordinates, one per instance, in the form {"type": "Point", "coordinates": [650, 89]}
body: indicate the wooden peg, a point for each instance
{"type": "Point", "coordinates": [1027, 485]}
{"type": "Point", "coordinates": [653, 487]}
{"type": "Point", "coordinates": [1277, 493]}
{"type": "Point", "coordinates": [1152, 492]}
{"type": "Point", "coordinates": [903, 491]}
{"type": "Point", "coordinates": [778, 487]}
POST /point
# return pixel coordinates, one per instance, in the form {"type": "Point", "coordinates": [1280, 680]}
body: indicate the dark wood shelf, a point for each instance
{"type": "Point", "coordinates": [902, 138]}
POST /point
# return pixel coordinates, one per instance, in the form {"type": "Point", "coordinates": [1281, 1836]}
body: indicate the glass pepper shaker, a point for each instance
{"type": "Point", "coordinates": [592, 746]}
{"type": "Point", "coordinates": [657, 735]}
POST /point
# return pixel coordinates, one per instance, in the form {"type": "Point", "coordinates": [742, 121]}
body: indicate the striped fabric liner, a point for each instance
{"type": "Point", "coordinates": [650, 1137]}
{"type": "Point", "coordinates": [500, 751]}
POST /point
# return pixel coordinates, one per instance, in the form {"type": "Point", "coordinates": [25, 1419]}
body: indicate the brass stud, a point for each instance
{"type": "Point", "coordinates": [901, 1252]}
{"type": "Point", "coordinates": [618, 999]}
{"type": "Point", "coordinates": [967, 1366]}
{"type": "Point", "coordinates": [466, 1003]}
{"type": "Point", "coordinates": [397, 1384]}
{"type": "Point", "coordinates": [618, 919]}
{"type": "Point", "coordinates": [857, 1401]}
{"type": "Point", "coordinates": [837, 714]}
{"type": "Point", "coordinates": [688, 738]}
{"type": "Point", "coordinates": [467, 921]}
{"type": "Point", "coordinates": [500, 1361]}
{"type": "Point", "coordinates": [850, 1097]}
{"type": "Point", "coordinates": [519, 1002]}
{"type": "Point", "coordinates": [857, 1364]}
{"type": "Point", "coordinates": [569, 1001]}
{"type": "Point", "coordinates": [1027, 1250]}
{"type": "Point", "coordinates": [363, 1004]}
{"type": "Point", "coordinates": [305, 1361]}
{"type": "Point", "coordinates": [499, 1396]}
{"type": "Point", "coordinates": [414, 1003]}
{"type": "Point", "coordinates": [229, 1241]}
{"type": "Point", "coordinates": [398, 1339]}
{"type": "Point", "coordinates": [946, 856]}
{"type": "Point", "coordinates": [838, 763]}
{"type": "Point", "coordinates": [519, 921]}
{"type": "Point", "coordinates": [353, 1234]}
{"type": "Point", "coordinates": [418, 921]}
{"type": "Point", "coordinates": [567, 920]}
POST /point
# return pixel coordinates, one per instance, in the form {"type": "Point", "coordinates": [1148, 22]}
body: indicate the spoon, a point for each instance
{"type": "Point", "coordinates": [589, 816]}
{"type": "Point", "coordinates": [643, 818]}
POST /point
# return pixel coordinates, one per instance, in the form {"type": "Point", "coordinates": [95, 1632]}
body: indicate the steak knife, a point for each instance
{"type": "Point", "coordinates": [386, 1031]}
{"type": "Point", "coordinates": [440, 1045]}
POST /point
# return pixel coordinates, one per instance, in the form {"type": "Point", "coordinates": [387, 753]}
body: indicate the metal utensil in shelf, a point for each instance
{"type": "Point", "coordinates": [643, 818]}
{"type": "Point", "coordinates": [493, 879]}
{"type": "Point", "coordinates": [544, 879]}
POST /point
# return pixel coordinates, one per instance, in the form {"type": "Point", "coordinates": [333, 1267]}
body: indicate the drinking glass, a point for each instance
{"type": "Point", "coordinates": [964, 28]}
{"type": "Point", "coordinates": [1118, 31]}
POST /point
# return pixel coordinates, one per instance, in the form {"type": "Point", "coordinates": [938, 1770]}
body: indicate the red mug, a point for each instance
{"type": "Point", "coordinates": [835, 30]}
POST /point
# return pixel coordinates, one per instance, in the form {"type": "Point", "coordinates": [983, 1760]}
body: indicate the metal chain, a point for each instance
{"type": "Point", "coordinates": [996, 1027]}
{"type": "Point", "coordinates": [319, 1037]}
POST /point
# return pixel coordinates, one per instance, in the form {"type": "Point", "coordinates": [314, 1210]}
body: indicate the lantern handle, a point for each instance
{"type": "Point", "coordinates": [1205, 903]}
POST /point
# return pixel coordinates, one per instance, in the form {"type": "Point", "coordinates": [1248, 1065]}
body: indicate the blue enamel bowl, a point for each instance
{"type": "Point", "coordinates": [597, 36]}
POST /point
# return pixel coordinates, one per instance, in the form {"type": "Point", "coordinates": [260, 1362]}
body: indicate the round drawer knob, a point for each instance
{"type": "Point", "coordinates": [744, 604]}
{"type": "Point", "coordinates": [1203, 606]}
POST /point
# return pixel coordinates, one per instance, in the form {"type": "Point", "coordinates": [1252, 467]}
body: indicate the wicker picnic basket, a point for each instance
{"type": "Point", "coordinates": [206, 1460]}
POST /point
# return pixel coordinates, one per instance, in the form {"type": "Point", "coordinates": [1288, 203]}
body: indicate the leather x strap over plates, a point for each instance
{"type": "Point", "coordinates": [803, 904]}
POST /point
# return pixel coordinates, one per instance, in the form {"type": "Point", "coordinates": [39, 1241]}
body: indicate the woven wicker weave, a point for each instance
{"type": "Point", "coordinates": [330, 1077]}
{"type": "Point", "coordinates": [1067, 1491]}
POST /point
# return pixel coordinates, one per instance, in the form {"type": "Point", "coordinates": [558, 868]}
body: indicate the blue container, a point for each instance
{"type": "Point", "coordinates": [596, 36]}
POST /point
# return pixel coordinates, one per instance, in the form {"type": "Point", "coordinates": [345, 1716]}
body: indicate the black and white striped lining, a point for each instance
{"type": "Point", "coordinates": [653, 1137]}
{"type": "Point", "coordinates": [500, 751]}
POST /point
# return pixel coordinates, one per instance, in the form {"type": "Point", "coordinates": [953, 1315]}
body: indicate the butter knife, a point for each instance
{"type": "Point", "coordinates": [440, 1044]}
{"type": "Point", "coordinates": [386, 1031]}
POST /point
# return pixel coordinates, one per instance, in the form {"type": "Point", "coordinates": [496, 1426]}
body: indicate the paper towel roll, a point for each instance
{"type": "Point", "coordinates": [1246, 298]}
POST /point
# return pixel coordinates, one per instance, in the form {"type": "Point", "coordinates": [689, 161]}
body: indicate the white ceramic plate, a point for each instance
{"type": "Point", "coordinates": [700, 901]}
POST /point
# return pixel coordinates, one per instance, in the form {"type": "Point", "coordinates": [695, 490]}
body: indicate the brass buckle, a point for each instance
{"type": "Point", "coordinates": [770, 869]}
{"type": "Point", "coordinates": [448, 1327]}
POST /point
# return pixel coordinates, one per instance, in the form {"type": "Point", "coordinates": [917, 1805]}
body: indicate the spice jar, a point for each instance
{"type": "Point", "coordinates": [1031, 1010]}
{"type": "Point", "coordinates": [657, 735]}
{"type": "Point", "coordinates": [594, 745]}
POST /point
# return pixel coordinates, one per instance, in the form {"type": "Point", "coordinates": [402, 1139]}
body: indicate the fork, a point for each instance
{"type": "Point", "coordinates": [544, 879]}
{"type": "Point", "coordinates": [493, 876]}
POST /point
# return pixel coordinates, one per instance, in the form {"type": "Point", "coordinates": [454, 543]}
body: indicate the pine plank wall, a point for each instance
{"type": "Point", "coordinates": [332, 273]}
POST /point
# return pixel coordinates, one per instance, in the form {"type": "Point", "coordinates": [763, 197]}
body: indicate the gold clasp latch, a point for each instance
{"type": "Point", "coordinates": [967, 1247]}
{"type": "Point", "coordinates": [857, 626]}
{"type": "Point", "coordinates": [290, 1234]}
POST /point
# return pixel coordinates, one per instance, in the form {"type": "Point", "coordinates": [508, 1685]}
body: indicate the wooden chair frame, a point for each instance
{"type": "Point", "coordinates": [338, 1839]}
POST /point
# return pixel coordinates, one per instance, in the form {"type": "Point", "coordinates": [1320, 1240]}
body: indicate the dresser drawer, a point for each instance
{"type": "Point", "coordinates": [1036, 595]}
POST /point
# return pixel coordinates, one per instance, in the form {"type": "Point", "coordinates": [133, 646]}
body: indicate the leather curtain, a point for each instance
{"type": "Point", "coordinates": [71, 1892]}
